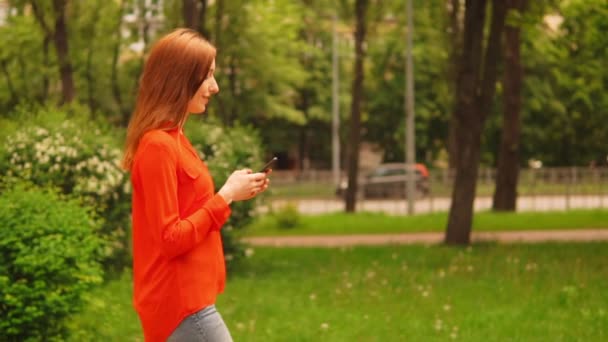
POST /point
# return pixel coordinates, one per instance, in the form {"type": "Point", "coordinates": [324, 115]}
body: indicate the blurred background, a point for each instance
{"type": "Point", "coordinates": [443, 116]}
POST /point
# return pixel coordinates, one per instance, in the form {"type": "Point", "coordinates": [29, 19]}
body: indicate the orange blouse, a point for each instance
{"type": "Point", "coordinates": [178, 259]}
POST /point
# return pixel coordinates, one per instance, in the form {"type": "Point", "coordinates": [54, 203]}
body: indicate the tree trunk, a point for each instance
{"type": "Point", "coordinates": [505, 195]}
{"type": "Point", "coordinates": [115, 84]}
{"type": "Point", "coordinates": [232, 79]}
{"type": "Point", "coordinates": [191, 14]}
{"type": "Point", "coordinates": [355, 122]}
{"type": "Point", "coordinates": [46, 63]}
{"type": "Point", "coordinates": [303, 149]}
{"type": "Point", "coordinates": [475, 92]}
{"type": "Point", "coordinates": [9, 83]}
{"type": "Point", "coordinates": [91, 98]}
{"type": "Point", "coordinates": [63, 56]}
{"type": "Point", "coordinates": [219, 15]}
{"type": "Point", "coordinates": [48, 35]}
{"type": "Point", "coordinates": [144, 30]}
{"type": "Point", "coordinates": [455, 48]}
{"type": "Point", "coordinates": [202, 19]}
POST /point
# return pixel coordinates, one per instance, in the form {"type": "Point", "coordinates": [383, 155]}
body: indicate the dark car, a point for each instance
{"type": "Point", "coordinates": [389, 181]}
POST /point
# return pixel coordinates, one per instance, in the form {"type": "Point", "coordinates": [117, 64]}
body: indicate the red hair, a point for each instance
{"type": "Point", "coordinates": [176, 67]}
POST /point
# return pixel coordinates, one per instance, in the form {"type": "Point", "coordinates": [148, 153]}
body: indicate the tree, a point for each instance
{"type": "Point", "coordinates": [507, 173]}
{"type": "Point", "coordinates": [357, 94]}
{"type": "Point", "coordinates": [384, 123]}
{"type": "Point", "coordinates": [194, 13]}
{"type": "Point", "coordinates": [476, 85]}
{"type": "Point", "coordinates": [59, 35]}
{"type": "Point", "coordinates": [564, 59]}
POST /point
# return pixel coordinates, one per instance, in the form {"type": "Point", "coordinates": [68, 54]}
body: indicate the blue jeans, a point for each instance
{"type": "Point", "coordinates": [206, 325]}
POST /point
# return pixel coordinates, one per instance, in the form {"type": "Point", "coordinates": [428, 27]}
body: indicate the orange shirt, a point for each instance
{"type": "Point", "coordinates": [178, 259]}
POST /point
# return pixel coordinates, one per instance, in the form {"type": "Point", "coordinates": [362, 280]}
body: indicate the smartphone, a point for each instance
{"type": "Point", "coordinates": [266, 167]}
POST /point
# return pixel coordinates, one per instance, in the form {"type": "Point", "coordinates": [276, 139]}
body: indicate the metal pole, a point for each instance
{"type": "Point", "coordinates": [335, 128]}
{"type": "Point", "coordinates": [409, 112]}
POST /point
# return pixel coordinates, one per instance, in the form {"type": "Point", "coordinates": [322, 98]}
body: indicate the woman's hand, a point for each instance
{"type": "Point", "coordinates": [243, 185]}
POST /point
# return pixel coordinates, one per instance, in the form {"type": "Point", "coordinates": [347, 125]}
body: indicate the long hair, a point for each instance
{"type": "Point", "coordinates": [176, 67]}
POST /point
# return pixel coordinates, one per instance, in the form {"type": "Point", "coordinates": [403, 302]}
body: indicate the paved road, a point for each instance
{"type": "Point", "coordinates": [399, 207]}
{"type": "Point", "coordinates": [429, 238]}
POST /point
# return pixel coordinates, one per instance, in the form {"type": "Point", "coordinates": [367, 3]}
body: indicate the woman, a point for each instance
{"type": "Point", "coordinates": [178, 261]}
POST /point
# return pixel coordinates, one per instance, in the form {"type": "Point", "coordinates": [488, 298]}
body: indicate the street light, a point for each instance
{"type": "Point", "coordinates": [410, 151]}
{"type": "Point", "coordinates": [335, 128]}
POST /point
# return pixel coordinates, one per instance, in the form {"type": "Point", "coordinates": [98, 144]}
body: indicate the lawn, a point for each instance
{"type": "Point", "coordinates": [546, 292]}
{"type": "Point", "coordinates": [371, 223]}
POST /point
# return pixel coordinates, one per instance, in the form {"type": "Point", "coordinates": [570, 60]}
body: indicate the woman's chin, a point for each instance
{"type": "Point", "coordinates": [200, 111]}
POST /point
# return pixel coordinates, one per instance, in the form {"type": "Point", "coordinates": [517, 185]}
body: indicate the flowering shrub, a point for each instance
{"type": "Point", "coordinates": [226, 150]}
{"type": "Point", "coordinates": [49, 257]}
{"type": "Point", "coordinates": [81, 161]}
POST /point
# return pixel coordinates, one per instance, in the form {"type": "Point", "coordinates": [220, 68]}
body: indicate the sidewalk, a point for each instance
{"type": "Point", "coordinates": [431, 238]}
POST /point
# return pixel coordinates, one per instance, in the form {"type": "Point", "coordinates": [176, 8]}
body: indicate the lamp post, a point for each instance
{"type": "Point", "coordinates": [410, 151]}
{"type": "Point", "coordinates": [335, 128]}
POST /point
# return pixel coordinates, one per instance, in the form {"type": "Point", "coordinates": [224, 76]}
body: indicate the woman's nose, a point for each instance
{"type": "Point", "coordinates": [214, 88]}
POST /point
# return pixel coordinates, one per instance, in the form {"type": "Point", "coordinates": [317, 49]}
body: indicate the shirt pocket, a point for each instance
{"type": "Point", "coordinates": [191, 183]}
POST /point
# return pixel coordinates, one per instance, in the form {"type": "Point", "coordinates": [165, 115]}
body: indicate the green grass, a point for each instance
{"type": "Point", "coordinates": [372, 223]}
{"type": "Point", "coordinates": [303, 190]}
{"type": "Point", "coordinates": [547, 292]}
{"type": "Point", "coordinates": [108, 315]}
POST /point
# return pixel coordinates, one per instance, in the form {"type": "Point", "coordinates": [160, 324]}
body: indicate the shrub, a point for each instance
{"type": "Point", "coordinates": [225, 150]}
{"type": "Point", "coordinates": [49, 256]}
{"type": "Point", "coordinates": [81, 159]}
{"type": "Point", "coordinates": [287, 216]}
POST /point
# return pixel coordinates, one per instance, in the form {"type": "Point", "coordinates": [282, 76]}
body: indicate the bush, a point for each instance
{"type": "Point", "coordinates": [225, 150]}
{"type": "Point", "coordinates": [49, 256]}
{"type": "Point", "coordinates": [81, 159]}
{"type": "Point", "coordinates": [287, 216]}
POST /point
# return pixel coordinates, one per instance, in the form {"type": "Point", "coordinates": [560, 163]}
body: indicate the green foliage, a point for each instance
{"type": "Point", "coordinates": [385, 119]}
{"type": "Point", "coordinates": [564, 97]}
{"type": "Point", "coordinates": [259, 50]}
{"type": "Point", "coordinates": [274, 71]}
{"type": "Point", "coordinates": [287, 216]}
{"type": "Point", "coordinates": [21, 62]}
{"type": "Point", "coordinates": [225, 150]}
{"type": "Point", "coordinates": [80, 159]}
{"type": "Point", "coordinates": [104, 68]}
{"type": "Point", "coordinates": [49, 256]}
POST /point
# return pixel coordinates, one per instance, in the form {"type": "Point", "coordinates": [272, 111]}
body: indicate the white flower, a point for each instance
{"type": "Point", "coordinates": [41, 131]}
{"type": "Point", "coordinates": [438, 324]}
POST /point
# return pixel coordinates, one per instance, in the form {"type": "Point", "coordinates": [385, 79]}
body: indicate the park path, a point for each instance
{"type": "Point", "coordinates": [442, 204]}
{"type": "Point", "coordinates": [579, 235]}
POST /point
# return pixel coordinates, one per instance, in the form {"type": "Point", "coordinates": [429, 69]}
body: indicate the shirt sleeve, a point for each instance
{"type": "Point", "coordinates": [158, 179]}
